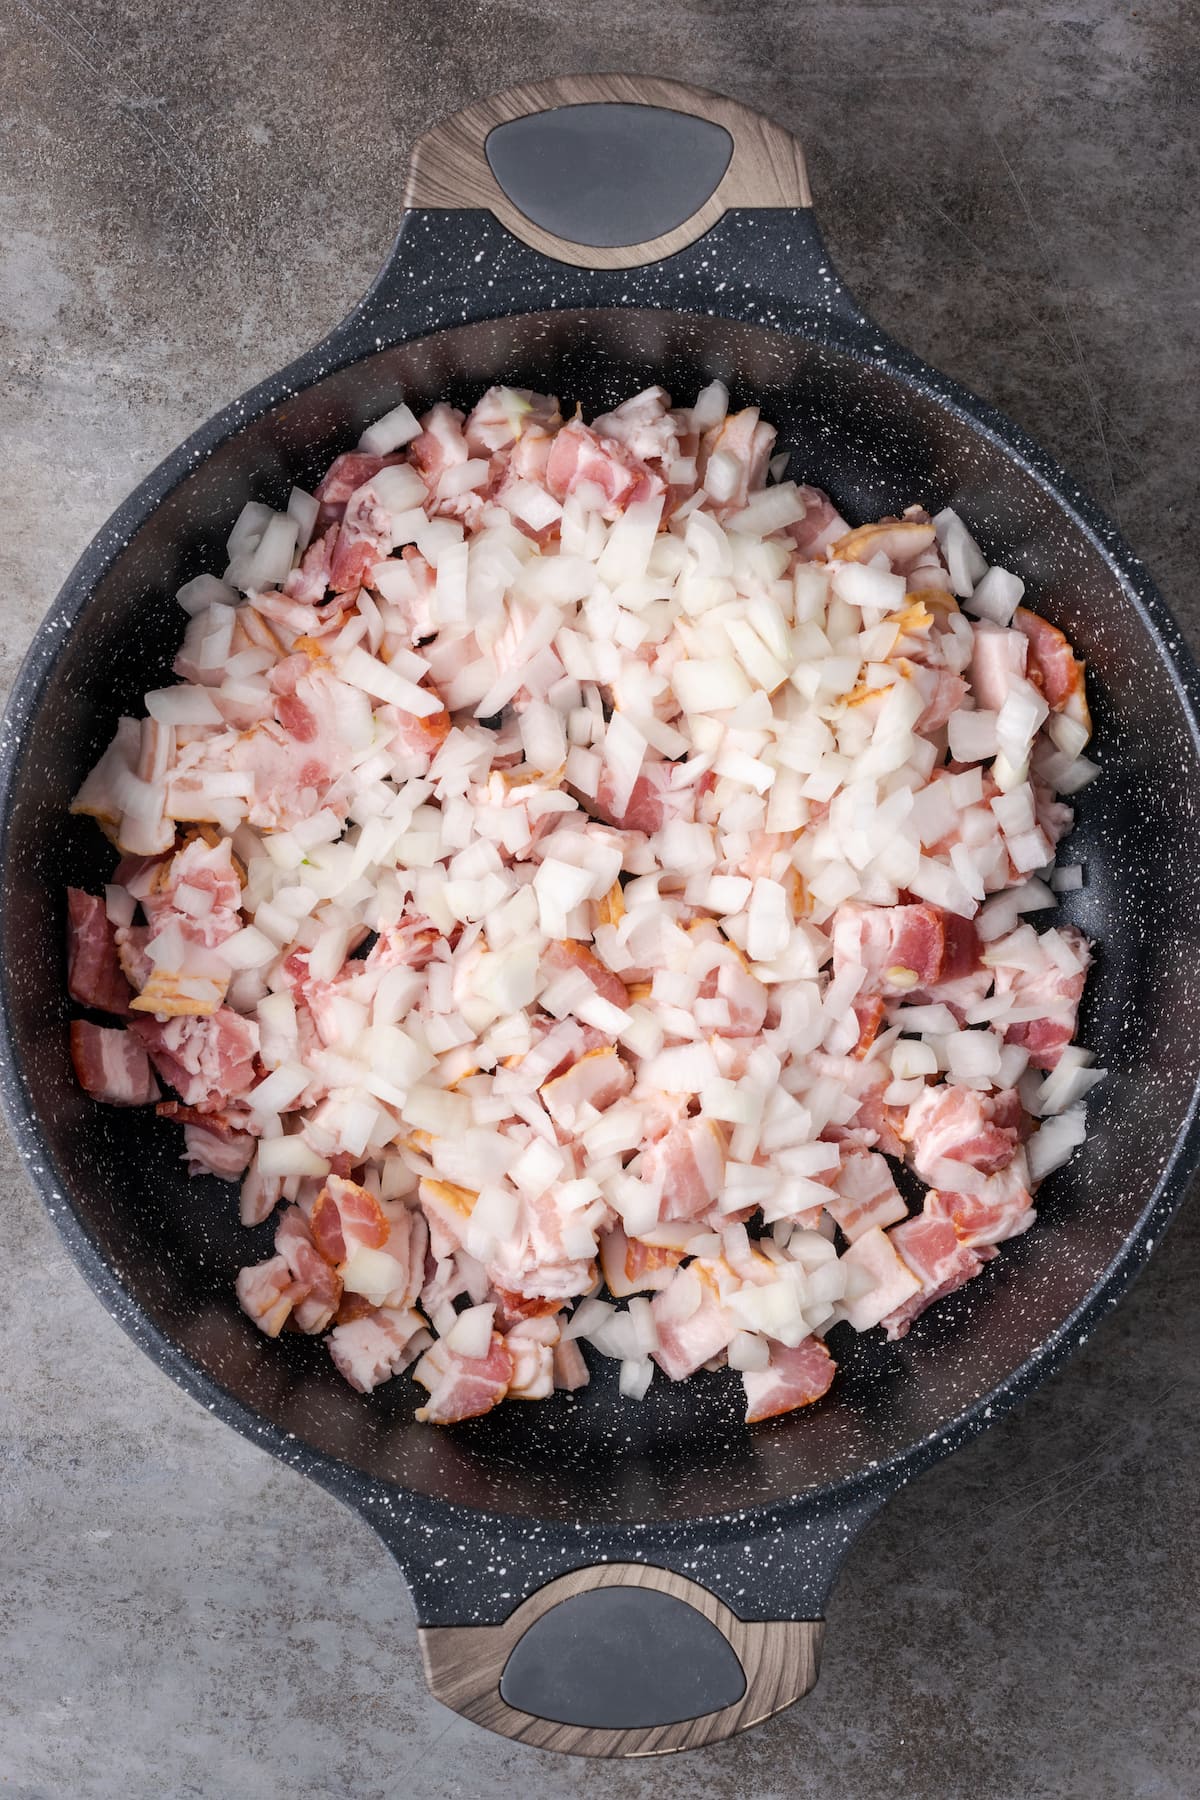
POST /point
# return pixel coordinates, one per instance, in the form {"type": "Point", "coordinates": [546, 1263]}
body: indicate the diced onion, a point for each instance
{"type": "Point", "coordinates": [391, 432]}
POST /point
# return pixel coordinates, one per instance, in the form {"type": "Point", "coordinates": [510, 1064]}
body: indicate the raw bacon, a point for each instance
{"type": "Point", "coordinates": [111, 1065]}
{"type": "Point", "coordinates": [793, 1378]}
{"type": "Point", "coordinates": [208, 1061]}
{"type": "Point", "coordinates": [94, 974]}
{"type": "Point", "coordinates": [930, 1245]}
{"type": "Point", "coordinates": [960, 1124]}
{"type": "Point", "coordinates": [462, 1387]}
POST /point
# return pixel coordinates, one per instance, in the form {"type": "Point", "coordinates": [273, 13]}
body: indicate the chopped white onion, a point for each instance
{"type": "Point", "coordinates": [391, 432]}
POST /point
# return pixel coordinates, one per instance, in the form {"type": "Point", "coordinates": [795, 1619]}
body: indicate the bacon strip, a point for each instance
{"type": "Point", "coordinates": [462, 1387]}
{"type": "Point", "coordinates": [94, 973]}
{"type": "Point", "coordinates": [793, 1378]}
{"type": "Point", "coordinates": [111, 1065]}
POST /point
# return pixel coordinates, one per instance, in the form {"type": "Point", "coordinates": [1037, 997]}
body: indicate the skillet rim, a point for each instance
{"type": "Point", "coordinates": [858, 337]}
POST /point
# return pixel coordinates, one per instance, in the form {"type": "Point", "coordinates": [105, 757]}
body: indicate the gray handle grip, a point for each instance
{"type": "Point", "coordinates": [622, 1659]}
{"type": "Point", "coordinates": [607, 171]}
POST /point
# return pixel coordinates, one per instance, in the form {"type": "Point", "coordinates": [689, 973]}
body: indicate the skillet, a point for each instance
{"type": "Point", "coordinates": [592, 1575]}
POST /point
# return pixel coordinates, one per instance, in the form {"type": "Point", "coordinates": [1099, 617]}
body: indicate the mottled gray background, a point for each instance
{"type": "Point", "coordinates": [190, 193]}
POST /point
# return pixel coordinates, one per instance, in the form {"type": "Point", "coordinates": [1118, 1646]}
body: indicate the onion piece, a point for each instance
{"type": "Point", "coordinates": [395, 429]}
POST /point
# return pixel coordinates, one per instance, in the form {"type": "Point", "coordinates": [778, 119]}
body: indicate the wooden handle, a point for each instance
{"type": "Point", "coordinates": [467, 1665]}
{"type": "Point", "coordinates": [450, 166]}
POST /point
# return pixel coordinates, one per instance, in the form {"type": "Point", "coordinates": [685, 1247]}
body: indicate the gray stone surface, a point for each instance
{"type": "Point", "coordinates": [188, 194]}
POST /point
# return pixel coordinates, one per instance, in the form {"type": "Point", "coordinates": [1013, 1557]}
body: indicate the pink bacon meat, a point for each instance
{"type": "Point", "coordinates": [463, 1387]}
{"type": "Point", "coordinates": [111, 1065]}
{"type": "Point", "coordinates": [793, 1378]}
{"type": "Point", "coordinates": [94, 974]}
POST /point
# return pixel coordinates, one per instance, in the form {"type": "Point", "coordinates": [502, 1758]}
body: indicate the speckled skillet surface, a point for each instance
{"type": "Point", "coordinates": [480, 1514]}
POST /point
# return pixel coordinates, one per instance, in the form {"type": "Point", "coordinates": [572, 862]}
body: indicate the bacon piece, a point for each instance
{"type": "Point", "coordinates": [139, 875]}
{"type": "Point", "coordinates": [199, 890]}
{"type": "Point", "coordinates": [531, 1345]}
{"type": "Point", "coordinates": [408, 944]}
{"type": "Point", "coordinates": [94, 974]}
{"type": "Point", "coordinates": [866, 1194]}
{"type": "Point", "coordinates": [821, 525]}
{"type": "Point", "coordinates": [904, 947]}
{"type": "Point", "coordinates": [578, 456]}
{"type": "Point", "coordinates": [944, 693]}
{"type": "Point", "coordinates": [445, 1281]}
{"type": "Point", "coordinates": [346, 1217]}
{"type": "Point", "coordinates": [376, 1345]}
{"type": "Point", "coordinates": [215, 1144]}
{"type": "Point", "coordinates": [366, 537]}
{"type": "Point", "coordinates": [310, 582]}
{"type": "Point", "coordinates": [1056, 993]}
{"type": "Point", "coordinates": [869, 1014]}
{"type": "Point", "coordinates": [296, 758]}
{"type": "Point", "coordinates": [1055, 668]}
{"type": "Point", "coordinates": [311, 622]}
{"type": "Point", "coordinates": [1003, 1209]}
{"type": "Point", "coordinates": [930, 1246]}
{"type": "Point", "coordinates": [1054, 816]}
{"type": "Point", "coordinates": [563, 954]}
{"type": "Point", "coordinates": [794, 1377]}
{"type": "Point", "coordinates": [378, 1248]}
{"type": "Point", "coordinates": [99, 797]}
{"type": "Point", "coordinates": [878, 1280]}
{"type": "Point", "coordinates": [353, 1306]}
{"type": "Point", "coordinates": [411, 590]}
{"type": "Point", "coordinates": [110, 1065]}
{"type": "Point", "coordinates": [687, 1166]}
{"type": "Point", "coordinates": [448, 1208]}
{"type": "Point", "coordinates": [874, 1125]}
{"type": "Point", "coordinates": [632, 1267]}
{"type": "Point", "coordinates": [322, 1285]}
{"type": "Point", "coordinates": [564, 1041]}
{"type": "Point", "coordinates": [463, 1387]}
{"type": "Point", "coordinates": [597, 1080]}
{"type": "Point", "coordinates": [689, 1333]}
{"type": "Point", "coordinates": [208, 1061]}
{"type": "Point", "coordinates": [260, 1196]}
{"type": "Point", "coordinates": [441, 444]}
{"type": "Point", "coordinates": [534, 1262]}
{"type": "Point", "coordinates": [420, 736]}
{"type": "Point", "coordinates": [525, 464]}
{"type": "Point", "coordinates": [390, 1274]}
{"type": "Point", "coordinates": [748, 441]}
{"type": "Point", "coordinates": [570, 1371]}
{"type": "Point", "coordinates": [959, 1124]}
{"type": "Point", "coordinates": [516, 1309]}
{"type": "Point", "coordinates": [901, 541]}
{"type": "Point", "coordinates": [267, 1292]}
{"type": "Point", "coordinates": [730, 1000]}
{"type": "Point", "coordinates": [645, 426]}
{"type": "Point", "coordinates": [651, 802]}
{"type": "Point", "coordinates": [344, 476]}
{"type": "Point", "coordinates": [997, 661]}
{"type": "Point", "coordinates": [180, 994]}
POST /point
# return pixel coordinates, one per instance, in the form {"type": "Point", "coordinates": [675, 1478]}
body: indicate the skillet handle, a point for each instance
{"type": "Point", "coordinates": [607, 171]}
{"type": "Point", "coordinates": [622, 1640]}
{"type": "Point", "coordinates": [622, 1659]}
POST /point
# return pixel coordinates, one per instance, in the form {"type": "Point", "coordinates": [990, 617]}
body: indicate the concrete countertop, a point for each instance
{"type": "Point", "coordinates": [188, 196]}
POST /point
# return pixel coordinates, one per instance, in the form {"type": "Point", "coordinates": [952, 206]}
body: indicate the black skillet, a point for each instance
{"type": "Point", "coordinates": [591, 1574]}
